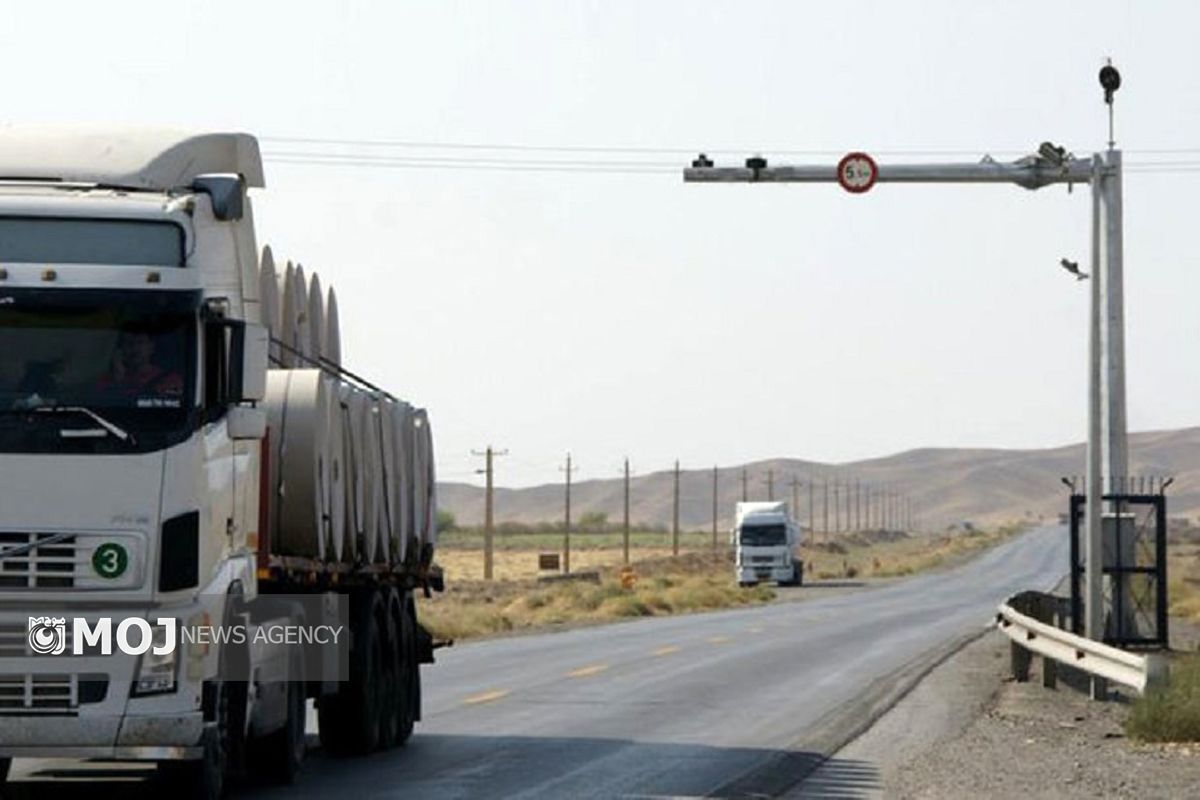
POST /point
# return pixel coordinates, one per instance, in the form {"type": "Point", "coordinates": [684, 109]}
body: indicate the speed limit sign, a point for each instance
{"type": "Point", "coordinates": [856, 172]}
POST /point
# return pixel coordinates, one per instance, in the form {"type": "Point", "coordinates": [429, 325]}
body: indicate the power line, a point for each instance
{"type": "Point", "coordinates": [493, 167]}
{"type": "Point", "coordinates": [412, 144]}
{"type": "Point", "coordinates": [598, 167]}
{"type": "Point", "coordinates": [469, 160]}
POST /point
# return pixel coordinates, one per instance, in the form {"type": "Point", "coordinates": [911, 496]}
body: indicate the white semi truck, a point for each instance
{"type": "Point", "coordinates": [180, 442]}
{"type": "Point", "coordinates": [764, 539]}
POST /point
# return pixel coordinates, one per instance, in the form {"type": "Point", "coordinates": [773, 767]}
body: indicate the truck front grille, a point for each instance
{"type": "Point", "coordinates": [39, 694]}
{"type": "Point", "coordinates": [48, 566]}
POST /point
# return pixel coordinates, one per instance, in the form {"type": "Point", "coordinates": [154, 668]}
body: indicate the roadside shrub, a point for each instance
{"type": "Point", "coordinates": [626, 605]}
{"type": "Point", "coordinates": [1170, 714]}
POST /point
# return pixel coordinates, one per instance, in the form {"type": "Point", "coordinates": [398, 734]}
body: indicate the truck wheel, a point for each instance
{"type": "Point", "coordinates": [393, 691]}
{"type": "Point", "coordinates": [410, 677]}
{"type": "Point", "coordinates": [204, 779]}
{"type": "Point", "coordinates": [350, 719]}
{"type": "Point", "coordinates": [281, 754]}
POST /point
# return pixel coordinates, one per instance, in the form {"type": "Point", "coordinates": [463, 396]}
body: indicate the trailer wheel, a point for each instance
{"type": "Point", "coordinates": [393, 675]}
{"type": "Point", "coordinates": [410, 677]}
{"type": "Point", "coordinates": [350, 719]}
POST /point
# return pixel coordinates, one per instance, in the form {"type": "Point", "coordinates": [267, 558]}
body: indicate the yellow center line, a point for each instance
{"type": "Point", "coordinates": [666, 650]}
{"type": "Point", "coordinates": [584, 672]}
{"type": "Point", "coordinates": [718, 640]}
{"type": "Point", "coordinates": [485, 697]}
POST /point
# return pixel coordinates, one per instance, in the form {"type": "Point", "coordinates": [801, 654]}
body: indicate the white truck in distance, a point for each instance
{"type": "Point", "coordinates": [180, 440]}
{"type": "Point", "coordinates": [764, 541]}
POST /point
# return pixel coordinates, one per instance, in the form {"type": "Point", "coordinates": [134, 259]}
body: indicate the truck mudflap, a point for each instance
{"type": "Point", "coordinates": [426, 644]}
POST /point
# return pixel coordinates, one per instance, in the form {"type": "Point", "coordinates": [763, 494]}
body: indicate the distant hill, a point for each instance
{"type": "Point", "coordinates": [950, 485]}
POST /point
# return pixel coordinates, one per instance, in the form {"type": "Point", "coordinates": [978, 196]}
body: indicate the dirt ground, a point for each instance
{"type": "Point", "coordinates": [968, 730]}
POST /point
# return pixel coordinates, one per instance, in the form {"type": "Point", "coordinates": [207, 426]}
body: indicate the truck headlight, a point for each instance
{"type": "Point", "coordinates": [155, 674]}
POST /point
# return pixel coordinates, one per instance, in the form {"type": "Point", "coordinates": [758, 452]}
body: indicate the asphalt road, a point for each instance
{"type": "Point", "coordinates": [729, 703]}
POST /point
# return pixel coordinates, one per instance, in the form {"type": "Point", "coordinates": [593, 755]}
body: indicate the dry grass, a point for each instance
{"type": "Point", "coordinates": [510, 564]}
{"type": "Point", "coordinates": [691, 582]}
{"type": "Point", "coordinates": [1171, 714]}
{"type": "Point", "coordinates": [880, 555]}
{"type": "Point", "coordinates": [1183, 580]}
{"type": "Point", "coordinates": [699, 579]}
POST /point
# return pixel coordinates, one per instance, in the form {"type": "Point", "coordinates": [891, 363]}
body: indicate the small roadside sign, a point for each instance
{"type": "Point", "coordinates": [857, 172]}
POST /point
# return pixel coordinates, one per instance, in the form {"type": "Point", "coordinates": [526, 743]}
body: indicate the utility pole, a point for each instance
{"type": "Point", "coordinates": [867, 506]}
{"type": "Point", "coordinates": [857, 504]}
{"type": "Point", "coordinates": [569, 470]}
{"type": "Point", "coordinates": [795, 510]}
{"type": "Point", "coordinates": [714, 510]}
{"type": "Point", "coordinates": [771, 484]}
{"type": "Point", "coordinates": [625, 519]}
{"type": "Point", "coordinates": [825, 509]}
{"type": "Point", "coordinates": [848, 519]}
{"type": "Point", "coordinates": [489, 527]}
{"type": "Point", "coordinates": [812, 509]}
{"type": "Point", "coordinates": [745, 486]}
{"type": "Point", "coordinates": [675, 515]}
{"type": "Point", "coordinates": [837, 507]}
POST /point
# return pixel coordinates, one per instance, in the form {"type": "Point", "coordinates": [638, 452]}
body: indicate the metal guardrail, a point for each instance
{"type": "Point", "coordinates": [1140, 672]}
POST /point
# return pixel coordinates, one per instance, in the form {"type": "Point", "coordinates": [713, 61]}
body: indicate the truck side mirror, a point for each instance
{"type": "Point", "coordinates": [235, 362]}
{"type": "Point", "coordinates": [251, 363]}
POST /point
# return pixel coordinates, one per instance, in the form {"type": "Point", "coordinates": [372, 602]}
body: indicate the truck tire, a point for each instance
{"type": "Point", "coordinates": [203, 779]}
{"type": "Point", "coordinates": [410, 675]}
{"type": "Point", "coordinates": [393, 655]}
{"type": "Point", "coordinates": [223, 740]}
{"type": "Point", "coordinates": [350, 719]}
{"type": "Point", "coordinates": [280, 755]}
{"type": "Point", "coordinates": [402, 692]}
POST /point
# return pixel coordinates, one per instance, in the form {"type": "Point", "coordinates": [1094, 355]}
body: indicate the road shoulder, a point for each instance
{"type": "Point", "coordinates": [966, 730]}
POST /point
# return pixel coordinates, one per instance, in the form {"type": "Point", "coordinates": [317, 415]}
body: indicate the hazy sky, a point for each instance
{"type": "Point", "coordinates": [612, 313]}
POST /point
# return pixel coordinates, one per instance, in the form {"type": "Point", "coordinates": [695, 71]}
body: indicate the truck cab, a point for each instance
{"type": "Point", "coordinates": [764, 540]}
{"type": "Point", "coordinates": [135, 475]}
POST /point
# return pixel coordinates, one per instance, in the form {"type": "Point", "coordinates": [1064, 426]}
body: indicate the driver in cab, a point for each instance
{"type": "Point", "coordinates": [135, 372]}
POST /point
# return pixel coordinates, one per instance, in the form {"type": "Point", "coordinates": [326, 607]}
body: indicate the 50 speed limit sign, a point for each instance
{"type": "Point", "coordinates": [857, 172]}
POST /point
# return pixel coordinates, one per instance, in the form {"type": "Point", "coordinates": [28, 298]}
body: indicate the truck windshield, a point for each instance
{"type": "Point", "coordinates": [126, 355]}
{"type": "Point", "coordinates": [762, 535]}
